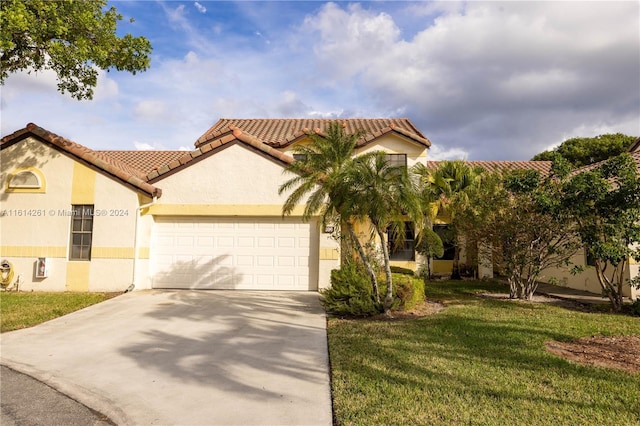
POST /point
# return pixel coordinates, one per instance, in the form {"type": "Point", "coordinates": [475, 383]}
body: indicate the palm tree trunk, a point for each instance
{"type": "Point", "coordinates": [365, 260]}
{"type": "Point", "coordinates": [388, 299]}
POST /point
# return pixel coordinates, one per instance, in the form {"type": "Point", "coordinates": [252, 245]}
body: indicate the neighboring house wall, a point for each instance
{"type": "Point", "coordinates": [38, 224]}
{"type": "Point", "coordinates": [395, 144]}
{"type": "Point", "coordinates": [587, 280]}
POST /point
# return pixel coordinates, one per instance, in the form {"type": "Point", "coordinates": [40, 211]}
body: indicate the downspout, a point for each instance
{"type": "Point", "coordinates": [135, 243]}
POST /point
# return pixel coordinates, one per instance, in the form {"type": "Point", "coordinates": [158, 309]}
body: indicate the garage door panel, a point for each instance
{"type": "Point", "coordinates": [246, 242]}
{"type": "Point", "coordinates": [231, 253]}
{"type": "Point", "coordinates": [225, 242]}
{"type": "Point", "coordinates": [289, 242]}
{"type": "Point", "coordinates": [268, 242]}
{"type": "Point", "coordinates": [286, 261]}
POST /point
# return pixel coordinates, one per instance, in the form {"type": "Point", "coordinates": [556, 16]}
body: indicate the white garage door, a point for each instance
{"type": "Point", "coordinates": [232, 253]}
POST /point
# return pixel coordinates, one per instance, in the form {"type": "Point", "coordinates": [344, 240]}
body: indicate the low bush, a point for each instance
{"type": "Point", "coordinates": [409, 291]}
{"type": "Point", "coordinates": [351, 294]}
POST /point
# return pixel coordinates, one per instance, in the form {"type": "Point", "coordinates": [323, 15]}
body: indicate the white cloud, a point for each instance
{"type": "Point", "coordinates": [107, 88]}
{"type": "Point", "coordinates": [440, 153]}
{"type": "Point", "coordinates": [499, 79]}
{"type": "Point", "coordinates": [191, 35]}
{"type": "Point", "coordinates": [142, 146]}
{"type": "Point", "coordinates": [151, 110]}
{"type": "Point", "coordinates": [351, 39]}
{"type": "Point", "coordinates": [290, 105]}
{"type": "Point", "coordinates": [200, 7]}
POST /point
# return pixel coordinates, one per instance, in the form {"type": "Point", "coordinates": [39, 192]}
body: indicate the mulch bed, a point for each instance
{"type": "Point", "coordinates": [617, 352]}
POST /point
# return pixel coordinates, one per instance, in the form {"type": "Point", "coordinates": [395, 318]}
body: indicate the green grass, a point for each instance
{"type": "Point", "coordinates": [480, 362]}
{"type": "Point", "coordinates": [21, 310]}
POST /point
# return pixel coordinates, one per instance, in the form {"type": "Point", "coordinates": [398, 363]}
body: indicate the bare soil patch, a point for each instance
{"type": "Point", "coordinates": [617, 352]}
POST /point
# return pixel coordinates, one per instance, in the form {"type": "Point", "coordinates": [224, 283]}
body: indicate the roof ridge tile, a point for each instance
{"type": "Point", "coordinates": [106, 164]}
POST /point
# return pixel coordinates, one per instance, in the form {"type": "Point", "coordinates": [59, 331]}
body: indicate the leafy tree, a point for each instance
{"type": "Point", "coordinates": [519, 216]}
{"type": "Point", "coordinates": [584, 151]}
{"type": "Point", "coordinates": [604, 203]}
{"type": "Point", "coordinates": [320, 176]}
{"type": "Point", "coordinates": [387, 197]}
{"type": "Point", "coordinates": [70, 37]}
{"type": "Point", "coordinates": [430, 246]}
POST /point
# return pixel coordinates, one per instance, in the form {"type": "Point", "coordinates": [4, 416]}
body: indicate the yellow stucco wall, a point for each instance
{"type": "Point", "coordinates": [37, 224]}
{"type": "Point", "coordinates": [588, 279]}
{"type": "Point", "coordinates": [392, 144]}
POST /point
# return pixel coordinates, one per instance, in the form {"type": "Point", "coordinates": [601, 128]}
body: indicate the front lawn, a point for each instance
{"type": "Point", "coordinates": [21, 310]}
{"type": "Point", "coordinates": [478, 361]}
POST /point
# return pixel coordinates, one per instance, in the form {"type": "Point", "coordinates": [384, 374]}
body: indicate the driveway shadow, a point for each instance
{"type": "Point", "coordinates": [241, 342]}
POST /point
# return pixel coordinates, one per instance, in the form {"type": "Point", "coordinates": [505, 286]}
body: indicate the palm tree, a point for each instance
{"type": "Point", "coordinates": [386, 196]}
{"type": "Point", "coordinates": [320, 175]}
{"type": "Point", "coordinates": [445, 191]}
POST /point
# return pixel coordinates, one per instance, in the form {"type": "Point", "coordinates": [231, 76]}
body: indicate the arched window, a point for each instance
{"type": "Point", "coordinates": [26, 180]}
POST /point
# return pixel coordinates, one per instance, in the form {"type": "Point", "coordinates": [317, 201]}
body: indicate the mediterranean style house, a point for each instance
{"type": "Point", "coordinates": [82, 220]}
{"type": "Point", "coordinates": [76, 219]}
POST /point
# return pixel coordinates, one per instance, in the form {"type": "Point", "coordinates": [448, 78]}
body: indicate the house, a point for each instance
{"type": "Point", "coordinates": [76, 219]}
{"type": "Point", "coordinates": [588, 279]}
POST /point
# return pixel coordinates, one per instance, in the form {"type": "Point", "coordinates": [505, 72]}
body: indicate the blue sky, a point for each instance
{"type": "Point", "coordinates": [482, 80]}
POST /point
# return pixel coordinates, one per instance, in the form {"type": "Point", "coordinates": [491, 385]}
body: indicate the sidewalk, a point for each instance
{"type": "Point", "coordinates": [567, 293]}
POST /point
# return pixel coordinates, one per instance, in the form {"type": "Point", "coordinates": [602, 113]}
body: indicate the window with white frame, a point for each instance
{"type": "Point", "coordinates": [25, 179]}
{"type": "Point", "coordinates": [396, 160]}
{"type": "Point", "coordinates": [81, 232]}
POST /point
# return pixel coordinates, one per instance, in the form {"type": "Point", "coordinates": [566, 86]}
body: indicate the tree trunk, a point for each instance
{"type": "Point", "coordinates": [365, 260]}
{"type": "Point", "coordinates": [530, 287]}
{"type": "Point", "coordinates": [615, 297]}
{"type": "Point", "coordinates": [455, 272]}
{"type": "Point", "coordinates": [513, 288]}
{"type": "Point", "coordinates": [388, 300]}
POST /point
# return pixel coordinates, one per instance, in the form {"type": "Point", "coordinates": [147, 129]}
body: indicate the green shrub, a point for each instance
{"type": "Point", "coordinates": [635, 308]}
{"type": "Point", "coordinates": [409, 291]}
{"type": "Point", "coordinates": [350, 293]}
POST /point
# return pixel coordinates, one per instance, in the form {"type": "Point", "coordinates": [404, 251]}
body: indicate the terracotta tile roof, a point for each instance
{"type": "Point", "coordinates": [635, 155]}
{"type": "Point", "coordinates": [108, 165]}
{"type": "Point", "coordinates": [544, 167]}
{"type": "Point", "coordinates": [285, 131]}
{"type": "Point", "coordinates": [145, 161]}
{"type": "Point", "coordinates": [235, 135]}
{"type": "Point", "coordinates": [635, 147]}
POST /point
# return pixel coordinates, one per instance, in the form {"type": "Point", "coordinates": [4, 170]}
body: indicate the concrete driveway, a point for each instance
{"type": "Point", "coordinates": [187, 357]}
